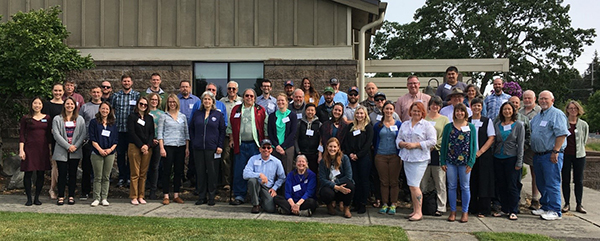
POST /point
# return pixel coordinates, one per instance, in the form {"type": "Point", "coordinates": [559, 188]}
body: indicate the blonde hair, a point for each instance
{"type": "Point", "coordinates": [580, 110]}
{"type": "Point", "coordinates": [167, 109]}
{"type": "Point", "coordinates": [361, 126]}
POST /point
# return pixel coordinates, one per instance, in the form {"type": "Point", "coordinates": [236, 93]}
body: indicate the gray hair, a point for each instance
{"type": "Point", "coordinates": [212, 97]}
{"type": "Point", "coordinates": [301, 156]}
{"type": "Point", "coordinates": [528, 92]}
{"type": "Point", "coordinates": [299, 90]}
{"type": "Point", "coordinates": [547, 91]}
{"type": "Point", "coordinates": [234, 83]}
{"type": "Point", "coordinates": [253, 92]}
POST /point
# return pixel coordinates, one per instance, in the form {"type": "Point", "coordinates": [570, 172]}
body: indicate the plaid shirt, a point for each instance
{"type": "Point", "coordinates": [493, 103]}
{"type": "Point", "coordinates": [124, 104]}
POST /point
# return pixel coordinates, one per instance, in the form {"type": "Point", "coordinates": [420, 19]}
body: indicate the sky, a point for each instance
{"type": "Point", "coordinates": [402, 11]}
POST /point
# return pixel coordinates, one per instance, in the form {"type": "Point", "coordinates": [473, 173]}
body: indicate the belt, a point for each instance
{"type": "Point", "coordinates": [545, 153]}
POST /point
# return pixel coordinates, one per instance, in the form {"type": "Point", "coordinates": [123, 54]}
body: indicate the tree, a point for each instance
{"type": "Point", "coordinates": [591, 73]}
{"type": "Point", "coordinates": [535, 35]}
{"type": "Point", "coordinates": [33, 56]}
{"type": "Point", "coordinates": [592, 112]}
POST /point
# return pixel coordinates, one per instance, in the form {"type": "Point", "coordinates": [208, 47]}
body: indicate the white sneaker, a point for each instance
{"type": "Point", "coordinates": [538, 212]}
{"type": "Point", "coordinates": [95, 203]}
{"type": "Point", "coordinates": [105, 203]}
{"type": "Point", "coordinates": [551, 215]}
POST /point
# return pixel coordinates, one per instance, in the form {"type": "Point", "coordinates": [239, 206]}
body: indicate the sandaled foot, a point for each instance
{"type": "Point", "coordinates": [512, 216]}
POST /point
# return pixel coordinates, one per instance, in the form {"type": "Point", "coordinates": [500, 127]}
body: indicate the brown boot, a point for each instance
{"type": "Point", "coordinates": [452, 216]}
{"type": "Point", "coordinates": [347, 213]}
{"type": "Point", "coordinates": [330, 209]}
{"type": "Point", "coordinates": [341, 207]}
{"type": "Point", "coordinates": [464, 218]}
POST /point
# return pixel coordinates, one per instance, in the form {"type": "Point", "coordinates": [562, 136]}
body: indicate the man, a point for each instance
{"type": "Point", "coordinates": [352, 104]}
{"type": "Point", "coordinates": [70, 92]}
{"type": "Point", "coordinates": [377, 114]}
{"type": "Point", "coordinates": [339, 96]}
{"type": "Point", "coordinates": [530, 109]}
{"type": "Point", "coordinates": [549, 131]}
{"type": "Point", "coordinates": [155, 81]}
{"type": "Point", "coordinates": [88, 112]}
{"type": "Point", "coordinates": [457, 96]}
{"type": "Point", "coordinates": [265, 175]}
{"type": "Point", "coordinates": [248, 125]}
{"type": "Point", "coordinates": [520, 117]}
{"type": "Point", "coordinates": [289, 90]}
{"type": "Point", "coordinates": [186, 98]}
{"type": "Point", "coordinates": [414, 94]}
{"type": "Point", "coordinates": [324, 110]}
{"type": "Point", "coordinates": [298, 104]}
{"type": "Point", "coordinates": [494, 101]}
{"type": "Point", "coordinates": [123, 103]}
{"type": "Point", "coordinates": [451, 82]}
{"type": "Point", "coordinates": [266, 100]}
{"type": "Point", "coordinates": [232, 99]}
{"type": "Point", "coordinates": [369, 103]}
{"type": "Point", "coordinates": [106, 91]}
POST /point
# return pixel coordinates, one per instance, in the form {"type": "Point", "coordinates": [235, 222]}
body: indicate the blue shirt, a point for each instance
{"type": "Point", "coordinates": [546, 127]}
{"type": "Point", "coordinates": [269, 104]}
{"type": "Point", "coordinates": [173, 132]}
{"type": "Point", "coordinates": [387, 141]}
{"type": "Point", "coordinates": [220, 107]}
{"type": "Point", "coordinates": [186, 104]}
{"type": "Point", "coordinates": [305, 185]}
{"type": "Point", "coordinates": [493, 103]}
{"type": "Point", "coordinates": [106, 137]}
{"type": "Point", "coordinates": [340, 96]}
{"type": "Point", "coordinates": [123, 104]}
{"type": "Point", "coordinates": [271, 168]}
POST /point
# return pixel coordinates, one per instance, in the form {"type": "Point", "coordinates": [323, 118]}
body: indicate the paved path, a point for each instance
{"type": "Point", "coordinates": [573, 226]}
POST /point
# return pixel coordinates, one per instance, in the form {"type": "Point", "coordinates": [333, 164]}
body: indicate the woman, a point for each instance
{"type": "Point", "coordinates": [482, 184]}
{"type": "Point", "coordinates": [574, 156]}
{"type": "Point", "coordinates": [358, 141]}
{"type": "Point", "coordinates": [207, 132]}
{"type": "Point", "coordinates": [300, 186]}
{"type": "Point", "coordinates": [387, 161]}
{"type": "Point", "coordinates": [508, 158]}
{"type": "Point", "coordinates": [457, 157]}
{"type": "Point", "coordinates": [415, 140]}
{"type": "Point", "coordinates": [333, 127]}
{"type": "Point", "coordinates": [34, 148]}
{"type": "Point", "coordinates": [53, 108]}
{"type": "Point", "coordinates": [335, 175]}
{"type": "Point", "coordinates": [173, 139]}
{"type": "Point", "coordinates": [310, 94]}
{"type": "Point", "coordinates": [140, 128]}
{"type": "Point", "coordinates": [282, 128]}
{"type": "Point", "coordinates": [104, 136]}
{"type": "Point", "coordinates": [69, 131]}
{"type": "Point", "coordinates": [472, 93]}
{"type": "Point", "coordinates": [155, 159]}
{"type": "Point", "coordinates": [309, 137]}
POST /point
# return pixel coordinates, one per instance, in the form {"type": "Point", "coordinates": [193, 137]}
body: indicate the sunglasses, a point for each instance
{"type": "Point", "coordinates": [379, 99]}
{"type": "Point", "coordinates": [106, 87]}
{"type": "Point", "coordinates": [266, 147]}
{"type": "Point", "coordinates": [142, 104]}
{"type": "Point", "coordinates": [212, 89]}
{"type": "Point", "coordinates": [231, 88]}
{"type": "Point", "coordinates": [249, 96]}
{"type": "Point", "coordinates": [352, 94]}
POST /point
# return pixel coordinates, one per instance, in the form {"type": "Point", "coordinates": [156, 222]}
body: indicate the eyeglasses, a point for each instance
{"type": "Point", "coordinates": [231, 88]}
{"type": "Point", "coordinates": [143, 104]}
{"type": "Point", "coordinates": [106, 87]}
{"type": "Point", "coordinates": [212, 89]}
{"type": "Point", "coordinates": [352, 94]}
{"type": "Point", "coordinates": [415, 83]}
{"type": "Point", "coordinates": [153, 99]}
{"type": "Point", "coordinates": [249, 96]}
{"type": "Point", "coordinates": [266, 147]}
{"type": "Point", "coordinates": [266, 86]}
{"type": "Point", "coordinates": [379, 99]}
{"type": "Point", "coordinates": [572, 108]}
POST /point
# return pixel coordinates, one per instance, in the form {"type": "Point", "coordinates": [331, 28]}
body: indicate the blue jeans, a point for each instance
{"type": "Point", "coordinates": [547, 178]}
{"type": "Point", "coordinates": [453, 173]}
{"type": "Point", "coordinates": [240, 186]}
{"type": "Point", "coordinates": [122, 163]}
{"type": "Point", "coordinates": [508, 181]}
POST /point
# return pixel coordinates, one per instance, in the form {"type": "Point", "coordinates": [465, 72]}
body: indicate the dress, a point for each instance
{"type": "Point", "coordinates": [35, 135]}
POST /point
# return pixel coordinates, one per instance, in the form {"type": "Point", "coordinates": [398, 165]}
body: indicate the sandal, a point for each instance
{"type": "Point", "coordinates": [377, 203]}
{"type": "Point", "coordinates": [513, 216]}
{"type": "Point", "coordinates": [71, 201]}
{"type": "Point", "coordinates": [480, 215]}
{"type": "Point", "coordinates": [438, 213]}
{"type": "Point", "coordinates": [60, 201]}
{"type": "Point", "coordinates": [498, 214]}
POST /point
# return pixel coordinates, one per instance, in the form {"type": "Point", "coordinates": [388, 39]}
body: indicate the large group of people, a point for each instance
{"type": "Point", "coordinates": [290, 151]}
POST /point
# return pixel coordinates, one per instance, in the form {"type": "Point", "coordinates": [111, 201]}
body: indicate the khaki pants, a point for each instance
{"type": "Point", "coordinates": [138, 166]}
{"type": "Point", "coordinates": [388, 167]}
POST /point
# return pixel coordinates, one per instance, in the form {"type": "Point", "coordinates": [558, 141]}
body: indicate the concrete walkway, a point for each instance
{"type": "Point", "coordinates": [573, 226]}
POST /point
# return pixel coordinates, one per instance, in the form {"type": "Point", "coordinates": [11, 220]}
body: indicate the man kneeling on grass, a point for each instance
{"type": "Point", "coordinates": [261, 172]}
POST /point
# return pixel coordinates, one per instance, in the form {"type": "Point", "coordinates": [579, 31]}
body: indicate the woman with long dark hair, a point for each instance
{"type": "Point", "coordinates": [53, 108]}
{"type": "Point", "coordinates": [308, 137]}
{"type": "Point", "coordinates": [140, 128]}
{"type": "Point", "coordinates": [104, 136]}
{"type": "Point", "coordinates": [310, 94]}
{"type": "Point", "coordinates": [387, 161]}
{"type": "Point", "coordinates": [333, 127]}
{"type": "Point", "coordinates": [335, 175]}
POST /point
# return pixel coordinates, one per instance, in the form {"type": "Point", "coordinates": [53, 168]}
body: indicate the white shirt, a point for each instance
{"type": "Point", "coordinates": [423, 133]}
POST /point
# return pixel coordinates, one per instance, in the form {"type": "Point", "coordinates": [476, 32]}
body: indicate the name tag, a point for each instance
{"type": "Point", "coordinates": [69, 124]}
{"type": "Point", "coordinates": [191, 106]}
{"type": "Point", "coordinates": [465, 129]}
{"type": "Point", "coordinates": [297, 188]}
{"type": "Point", "coordinates": [378, 118]}
{"type": "Point", "coordinates": [286, 119]}
{"type": "Point", "coordinates": [507, 127]}
{"type": "Point", "coordinates": [132, 102]}
{"type": "Point", "coordinates": [310, 132]}
{"type": "Point", "coordinates": [270, 106]}
{"type": "Point", "coordinates": [478, 124]}
{"type": "Point", "coordinates": [77, 104]}
{"type": "Point", "coordinates": [311, 100]}
{"type": "Point", "coordinates": [543, 123]}
{"type": "Point", "coordinates": [141, 122]}
{"type": "Point", "coordinates": [320, 148]}
{"type": "Point", "coordinates": [181, 121]}
{"type": "Point", "coordinates": [106, 133]}
{"type": "Point", "coordinates": [356, 132]}
{"type": "Point", "coordinates": [394, 128]}
{"type": "Point", "coordinates": [238, 103]}
{"type": "Point", "coordinates": [44, 120]}
{"type": "Point", "coordinates": [257, 162]}
{"type": "Point", "coordinates": [447, 86]}
{"type": "Point", "coordinates": [299, 115]}
{"type": "Point", "coordinates": [432, 123]}
{"type": "Point", "coordinates": [213, 118]}
{"type": "Point", "coordinates": [237, 115]}
{"type": "Point", "coordinates": [335, 172]}
{"type": "Point", "coordinates": [217, 156]}
{"type": "Point", "coordinates": [575, 131]}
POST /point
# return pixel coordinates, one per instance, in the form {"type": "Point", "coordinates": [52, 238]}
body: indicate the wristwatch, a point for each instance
{"type": "Point", "coordinates": [555, 152]}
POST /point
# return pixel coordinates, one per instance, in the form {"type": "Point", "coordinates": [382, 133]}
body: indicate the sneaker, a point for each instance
{"type": "Point", "coordinates": [105, 203]}
{"type": "Point", "coordinates": [392, 210]}
{"type": "Point", "coordinates": [305, 213]}
{"type": "Point", "coordinates": [551, 215]}
{"type": "Point", "coordinates": [95, 203]}
{"type": "Point", "coordinates": [383, 209]}
{"type": "Point", "coordinates": [538, 212]}
{"type": "Point", "coordinates": [84, 197]}
{"type": "Point", "coordinates": [120, 183]}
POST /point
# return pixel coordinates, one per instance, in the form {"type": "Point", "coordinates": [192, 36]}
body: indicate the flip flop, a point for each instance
{"type": "Point", "coordinates": [513, 217]}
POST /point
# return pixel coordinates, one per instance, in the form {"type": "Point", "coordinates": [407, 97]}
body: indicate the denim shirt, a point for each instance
{"type": "Point", "coordinates": [271, 168]}
{"type": "Point", "coordinates": [173, 132]}
{"type": "Point", "coordinates": [493, 103]}
{"type": "Point", "coordinates": [545, 127]}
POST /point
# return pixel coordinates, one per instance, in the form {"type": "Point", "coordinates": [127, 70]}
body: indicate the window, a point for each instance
{"type": "Point", "coordinates": [246, 74]}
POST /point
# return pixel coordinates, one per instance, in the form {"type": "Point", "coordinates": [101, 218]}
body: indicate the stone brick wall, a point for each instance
{"type": "Point", "coordinates": [591, 173]}
{"type": "Point", "coordinates": [318, 71]}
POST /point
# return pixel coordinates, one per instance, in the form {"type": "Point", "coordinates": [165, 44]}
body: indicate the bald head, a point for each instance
{"type": "Point", "coordinates": [515, 101]}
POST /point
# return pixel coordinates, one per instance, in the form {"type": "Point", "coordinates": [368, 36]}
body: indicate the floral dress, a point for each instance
{"type": "Point", "coordinates": [458, 147]}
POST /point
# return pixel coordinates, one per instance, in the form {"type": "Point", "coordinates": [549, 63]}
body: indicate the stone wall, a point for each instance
{"type": "Point", "coordinates": [591, 173]}
{"type": "Point", "coordinates": [318, 71]}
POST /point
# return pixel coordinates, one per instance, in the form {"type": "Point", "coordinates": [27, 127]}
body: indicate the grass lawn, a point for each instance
{"type": "Point", "coordinates": [594, 146]}
{"type": "Point", "coordinates": [37, 226]}
{"type": "Point", "coordinates": [484, 236]}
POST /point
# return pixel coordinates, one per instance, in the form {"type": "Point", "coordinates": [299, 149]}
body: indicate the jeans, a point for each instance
{"type": "Point", "coordinates": [175, 161]}
{"type": "Point", "coordinates": [454, 172]}
{"type": "Point", "coordinates": [207, 169]}
{"type": "Point", "coordinates": [122, 163]}
{"type": "Point", "coordinates": [508, 181]}
{"type": "Point", "coordinates": [578, 166]}
{"type": "Point", "coordinates": [547, 178]}
{"type": "Point", "coordinates": [361, 170]}
{"type": "Point", "coordinates": [240, 186]}
{"type": "Point", "coordinates": [68, 168]}
{"type": "Point", "coordinates": [102, 167]}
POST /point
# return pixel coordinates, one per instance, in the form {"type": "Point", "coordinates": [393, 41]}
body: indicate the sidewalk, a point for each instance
{"type": "Point", "coordinates": [573, 226]}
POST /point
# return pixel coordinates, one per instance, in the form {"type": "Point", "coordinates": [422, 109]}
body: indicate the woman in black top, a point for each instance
{"type": "Point", "coordinates": [53, 108]}
{"type": "Point", "coordinates": [308, 137]}
{"type": "Point", "coordinates": [140, 128]}
{"type": "Point", "coordinates": [333, 127]}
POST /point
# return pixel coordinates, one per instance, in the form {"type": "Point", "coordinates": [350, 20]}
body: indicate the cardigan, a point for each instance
{"type": "Point", "coordinates": [95, 130]}
{"type": "Point", "coordinates": [140, 134]}
{"type": "Point", "coordinates": [514, 145]}
{"type": "Point", "coordinates": [207, 136]}
{"type": "Point", "coordinates": [59, 132]}
{"type": "Point", "coordinates": [377, 129]}
{"type": "Point", "coordinates": [582, 130]}
{"type": "Point", "coordinates": [291, 127]}
{"type": "Point", "coordinates": [472, 145]}
{"type": "Point", "coordinates": [307, 183]}
{"type": "Point", "coordinates": [359, 144]}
